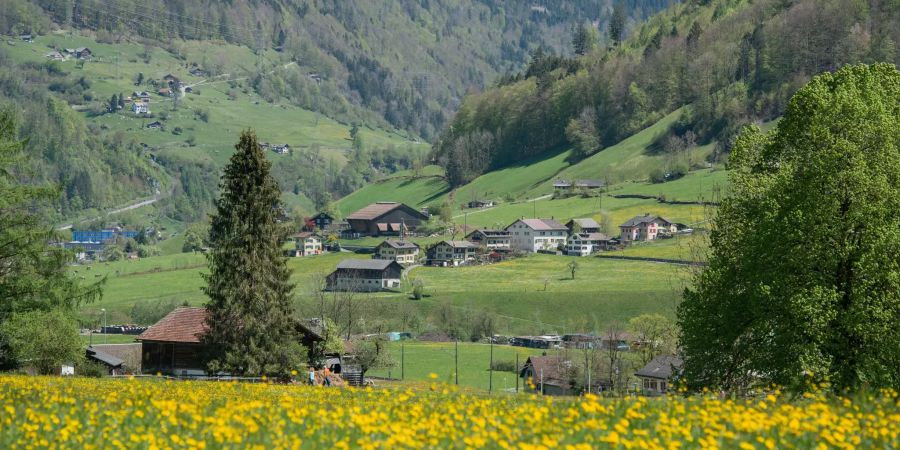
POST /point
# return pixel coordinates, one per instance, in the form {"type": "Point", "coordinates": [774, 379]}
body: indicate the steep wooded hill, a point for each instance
{"type": "Point", "coordinates": [727, 62]}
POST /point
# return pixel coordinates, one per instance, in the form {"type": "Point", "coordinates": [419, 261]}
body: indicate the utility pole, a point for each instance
{"type": "Point", "coordinates": [491, 368]}
{"type": "Point", "coordinates": [456, 361]}
{"type": "Point", "coordinates": [517, 372]}
{"type": "Point", "coordinates": [105, 338]}
{"type": "Point", "coordinates": [402, 365]}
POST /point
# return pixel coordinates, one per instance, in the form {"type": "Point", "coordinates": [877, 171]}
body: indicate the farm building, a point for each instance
{"type": "Point", "coordinates": [385, 219]}
{"type": "Point", "coordinates": [532, 235]}
{"type": "Point", "coordinates": [79, 53]}
{"type": "Point", "coordinates": [307, 244]}
{"type": "Point", "coordinates": [113, 364]}
{"type": "Point", "coordinates": [452, 253]}
{"type": "Point", "coordinates": [481, 204]}
{"type": "Point", "coordinates": [154, 125]}
{"type": "Point", "coordinates": [130, 354]}
{"type": "Point", "coordinates": [172, 346]}
{"type": "Point", "coordinates": [656, 376]}
{"type": "Point", "coordinates": [365, 275]}
{"type": "Point", "coordinates": [55, 56]}
{"type": "Point", "coordinates": [586, 244]}
{"type": "Point", "coordinates": [588, 184]}
{"type": "Point", "coordinates": [646, 228]}
{"type": "Point", "coordinates": [322, 220]}
{"type": "Point", "coordinates": [549, 375]}
{"type": "Point", "coordinates": [548, 341]}
{"type": "Point", "coordinates": [586, 225]}
{"type": "Point", "coordinates": [404, 252]}
{"type": "Point", "coordinates": [490, 239]}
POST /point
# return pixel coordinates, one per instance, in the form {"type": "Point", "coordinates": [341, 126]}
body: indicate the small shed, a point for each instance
{"type": "Point", "coordinates": [114, 365]}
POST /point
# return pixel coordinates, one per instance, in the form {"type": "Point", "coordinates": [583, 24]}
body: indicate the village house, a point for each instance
{"type": "Point", "coordinates": [154, 125]}
{"type": "Point", "coordinates": [307, 244]}
{"type": "Point", "coordinates": [532, 235]}
{"type": "Point", "coordinates": [452, 253]}
{"type": "Point", "coordinates": [480, 204]}
{"type": "Point", "coordinates": [27, 38]}
{"type": "Point", "coordinates": [646, 228]}
{"type": "Point", "coordinates": [281, 149]}
{"type": "Point", "coordinates": [365, 275]}
{"type": "Point", "coordinates": [586, 225]}
{"type": "Point", "coordinates": [586, 244]}
{"type": "Point", "coordinates": [385, 219]}
{"type": "Point", "coordinates": [142, 96]}
{"type": "Point", "coordinates": [562, 185]}
{"type": "Point", "coordinates": [197, 72]}
{"type": "Point", "coordinates": [79, 53]}
{"type": "Point", "coordinates": [56, 56]}
{"type": "Point", "coordinates": [656, 377]}
{"type": "Point", "coordinates": [170, 79]}
{"type": "Point", "coordinates": [140, 108]}
{"type": "Point", "coordinates": [321, 220]}
{"type": "Point", "coordinates": [404, 252]}
{"type": "Point", "coordinates": [490, 239]}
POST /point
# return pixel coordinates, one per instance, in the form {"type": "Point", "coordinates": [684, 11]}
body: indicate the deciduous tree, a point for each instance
{"type": "Point", "coordinates": [803, 282]}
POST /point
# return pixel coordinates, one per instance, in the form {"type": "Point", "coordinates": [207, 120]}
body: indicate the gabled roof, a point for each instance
{"type": "Point", "coordinates": [398, 244]}
{"type": "Point", "coordinates": [589, 183]}
{"type": "Point", "coordinates": [491, 233]}
{"type": "Point", "coordinates": [366, 264]}
{"type": "Point", "coordinates": [584, 223]}
{"type": "Point", "coordinates": [638, 220]}
{"type": "Point", "coordinates": [661, 367]}
{"type": "Point", "coordinates": [543, 224]}
{"type": "Point", "coordinates": [376, 210]}
{"type": "Point", "coordinates": [184, 324]}
{"type": "Point", "coordinates": [592, 237]}
{"type": "Point", "coordinates": [459, 244]}
{"type": "Point", "coordinates": [104, 357]}
{"type": "Point", "coordinates": [550, 369]}
{"type": "Point", "coordinates": [562, 183]}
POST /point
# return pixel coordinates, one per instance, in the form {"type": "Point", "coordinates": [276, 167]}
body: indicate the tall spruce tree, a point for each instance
{"type": "Point", "coordinates": [251, 325]}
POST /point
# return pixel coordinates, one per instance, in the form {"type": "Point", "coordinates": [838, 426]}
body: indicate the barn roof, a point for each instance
{"type": "Point", "coordinates": [366, 264]}
{"type": "Point", "coordinates": [184, 324]}
{"type": "Point", "coordinates": [376, 210]}
{"type": "Point", "coordinates": [661, 367]}
{"type": "Point", "coordinates": [543, 224]}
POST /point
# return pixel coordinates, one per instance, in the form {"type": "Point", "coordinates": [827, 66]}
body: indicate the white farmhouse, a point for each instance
{"type": "Point", "coordinates": [532, 235]}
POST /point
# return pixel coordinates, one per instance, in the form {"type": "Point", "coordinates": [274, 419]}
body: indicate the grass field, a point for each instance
{"type": "Point", "coordinates": [99, 338]}
{"type": "Point", "coordinates": [690, 247]}
{"type": "Point", "coordinates": [513, 292]}
{"type": "Point", "coordinates": [72, 412]}
{"type": "Point", "coordinates": [421, 359]}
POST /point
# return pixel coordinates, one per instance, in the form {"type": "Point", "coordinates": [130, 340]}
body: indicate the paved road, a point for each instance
{"type": "Point", "coordinates": [129, 207]}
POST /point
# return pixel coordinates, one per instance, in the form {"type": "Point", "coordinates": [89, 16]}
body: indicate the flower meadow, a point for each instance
{"type": "Point", "coordinates": [46, 412]}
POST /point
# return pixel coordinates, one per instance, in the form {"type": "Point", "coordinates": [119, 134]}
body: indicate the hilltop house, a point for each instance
{"type": "Point", "coordinates": [385, 219]}
{"type": "Point", "coordinates": [532, 235]}
{"type": "Point", "coordinates": [587, 225]}
{"type": "Point", "coordinates": [55, 56]}
{"type": "Point", "coordinates": [404, 252]}
{"type": "Point", "coordinates": [79, 53]}
{"type": "Point", "coordinates": [656, 376]}
{"type": "Point", "coordinates": [365, 275]}
{"type": "Point", "coordinates": [307, 244]}
{"type": "Point", "coordinates": [586, 244]}
{"type": "Point", "coordinates": [490, 239]}
{"type": "Point", "coordinates": [322, 220]}
{"type": "Point", "coordinates": [646, 228]}
{"type": "Point", "coordinates": [452, 253]}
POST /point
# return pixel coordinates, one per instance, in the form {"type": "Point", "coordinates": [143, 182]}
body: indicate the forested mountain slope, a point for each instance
{"type": "Point", "coordinates": [354, 86]}
{"type": "Point", "coordinates": [728, 62]}
{"type": "Point", "coordinates": [408, 61]}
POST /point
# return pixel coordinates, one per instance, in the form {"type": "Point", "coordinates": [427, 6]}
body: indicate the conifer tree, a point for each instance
{"type": "Point", "coordinates": [251, 326]}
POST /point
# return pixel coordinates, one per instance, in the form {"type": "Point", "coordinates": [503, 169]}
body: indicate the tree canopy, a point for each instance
{"type": "Point", "coordinates": [251, 323]}
{"type": "Point", "coordinates": [803, 283]}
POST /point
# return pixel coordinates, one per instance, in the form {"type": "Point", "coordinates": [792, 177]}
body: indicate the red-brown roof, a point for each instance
{"type": "Point", "coordinates": [185, 324]}
{"type": "Point", "coordinates": [374, 211]}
